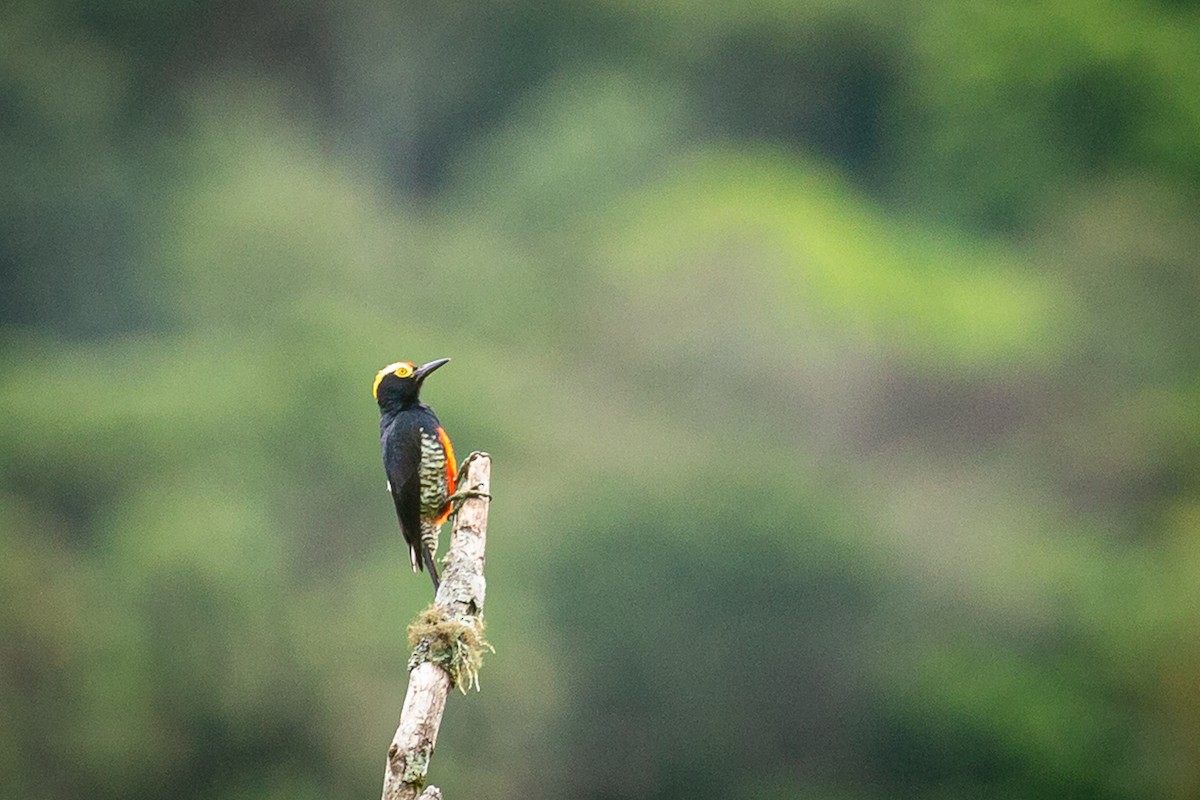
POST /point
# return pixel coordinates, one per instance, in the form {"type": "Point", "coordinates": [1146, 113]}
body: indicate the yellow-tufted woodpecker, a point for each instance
{"type": "Point", "coordinates": [417, 457]}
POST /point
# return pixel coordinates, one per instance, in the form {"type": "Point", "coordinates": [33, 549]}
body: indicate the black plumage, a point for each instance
{"type": "Point", "coordinates": [417, 457]}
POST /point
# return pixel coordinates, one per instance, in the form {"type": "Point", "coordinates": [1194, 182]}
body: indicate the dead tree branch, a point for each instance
{"type": "Point", "coordinates": [449, 641]}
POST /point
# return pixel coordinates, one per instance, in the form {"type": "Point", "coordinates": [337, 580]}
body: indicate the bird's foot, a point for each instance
{"type": "Point", "coordinates": [462, 467]}
{"type": "Point", "coordinates": [461, 496]}
{"type": "Point", "coordinates": [458, 498]}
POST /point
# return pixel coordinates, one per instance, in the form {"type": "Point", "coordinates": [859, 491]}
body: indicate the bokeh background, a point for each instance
{"type": "Point", "coordinates": [840, 362]}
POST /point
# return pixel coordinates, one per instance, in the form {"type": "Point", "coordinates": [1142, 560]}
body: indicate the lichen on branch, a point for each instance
{"type": "Point", "coordinates": [454, 642]}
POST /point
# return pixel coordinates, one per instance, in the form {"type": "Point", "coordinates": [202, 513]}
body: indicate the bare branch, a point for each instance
{"type": "Point", "coordinates": [459, 603]}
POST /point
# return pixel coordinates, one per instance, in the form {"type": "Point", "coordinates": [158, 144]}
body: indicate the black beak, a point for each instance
{"type": "Point", "coordinates": [420, 372]}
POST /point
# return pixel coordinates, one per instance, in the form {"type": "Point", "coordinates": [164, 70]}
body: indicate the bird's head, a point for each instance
{"type": "Point", "coordinates": [399, 384]}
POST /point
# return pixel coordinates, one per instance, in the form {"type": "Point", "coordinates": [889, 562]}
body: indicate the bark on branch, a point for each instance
{"type": "Point", "coordinates": [459, 605]}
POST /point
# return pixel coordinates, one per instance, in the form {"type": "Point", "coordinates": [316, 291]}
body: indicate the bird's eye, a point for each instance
{"type": "Point", "coordinates": [403, 370]}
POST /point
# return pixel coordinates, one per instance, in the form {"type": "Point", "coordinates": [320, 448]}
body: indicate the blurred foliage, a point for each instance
{"type": "Point", "coordinates": [839, 362]}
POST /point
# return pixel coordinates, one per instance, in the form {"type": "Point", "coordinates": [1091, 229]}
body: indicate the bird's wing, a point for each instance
{"type": "Point", "coordinates": [401, 463]}
{"type": "Point", "coordinates": [408, 510]}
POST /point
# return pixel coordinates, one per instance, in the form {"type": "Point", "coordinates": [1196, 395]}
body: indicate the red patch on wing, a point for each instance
{"type": "Point", "coordinates": [451, 472]}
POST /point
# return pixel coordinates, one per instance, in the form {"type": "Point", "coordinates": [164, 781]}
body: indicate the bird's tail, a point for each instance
{"type": "Point", "coordinates": [429, 544]}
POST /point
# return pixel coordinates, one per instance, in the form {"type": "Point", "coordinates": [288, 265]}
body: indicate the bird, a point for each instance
{"type": "Point", "coordinates": [418, 458]}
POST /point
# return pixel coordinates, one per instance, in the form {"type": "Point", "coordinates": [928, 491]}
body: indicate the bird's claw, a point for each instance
{"type": "Point", "coordinates": [462, 468]}
{"type": "Point", "coordinates": [458, 498]}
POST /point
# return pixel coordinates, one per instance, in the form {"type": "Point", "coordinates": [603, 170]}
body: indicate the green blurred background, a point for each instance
{"type": "Point", "coordinates": [840, 364]}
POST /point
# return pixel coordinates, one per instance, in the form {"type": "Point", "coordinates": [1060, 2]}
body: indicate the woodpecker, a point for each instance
{"type": "Point", "coordinates": [418, 459]}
